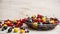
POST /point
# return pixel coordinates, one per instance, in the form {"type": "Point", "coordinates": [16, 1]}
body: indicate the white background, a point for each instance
{"type": "Point", "coordinates": [10, 9]}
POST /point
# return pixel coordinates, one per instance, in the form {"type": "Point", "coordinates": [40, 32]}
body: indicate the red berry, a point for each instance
{"type": "Point", "coordinates": [19, 25]}
{"type": "Point", "coordinates": [7, 22]}
{"type": "Point", "coordinates": [0, 25]}
{"type": "Point", "coordinates": [35, 20]}
{"type": "Point", "coordinates": [39, 16]}
{"type": "Point", "coordinates": [51, 18]}
{"type": "Point", "coordinates": [56, 22]}
{"type": "Point", "coordinates": [39, 20]}
{"type": "Point", "coordinates": [11, 24]}
{"type": "Point", "coordinates": [24, 20]}
{"type": "Point", "coordinates": [0, 22]}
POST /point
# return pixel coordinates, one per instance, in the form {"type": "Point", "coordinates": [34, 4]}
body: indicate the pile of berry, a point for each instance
{"type": "Point", "coordinates": [14, 26]}
{"type": "Point", "coordinates": [39, 22]}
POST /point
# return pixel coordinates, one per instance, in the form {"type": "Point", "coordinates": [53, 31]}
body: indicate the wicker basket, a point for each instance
{"type": "Point", "coordinates": [42, 27]}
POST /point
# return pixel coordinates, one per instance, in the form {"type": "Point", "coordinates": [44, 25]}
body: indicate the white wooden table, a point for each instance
{"type": "Point", "coordinates": [10, 9]}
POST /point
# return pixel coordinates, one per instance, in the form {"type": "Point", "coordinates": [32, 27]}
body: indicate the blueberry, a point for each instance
{"type": "Point", "coordinates": [9, 30]}
{"type": "Point", "coordinates": [30, 20]}
{"type": "Point", "coordinates": [13, 27]}
{"type": "Point", "coordinates": [3, 29]}
{"type": "Point", "coordinates": [15, 23]}
{"type": "Point", "coordinates": [38, 22]}
{"type": "Point", "coordinates": [22, 28]}
{"type": "Point", "coordinates": [27, 31]}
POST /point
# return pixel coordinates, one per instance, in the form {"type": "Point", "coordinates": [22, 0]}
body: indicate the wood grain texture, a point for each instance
{"type": "Point", "coordinates": [10, 9]}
